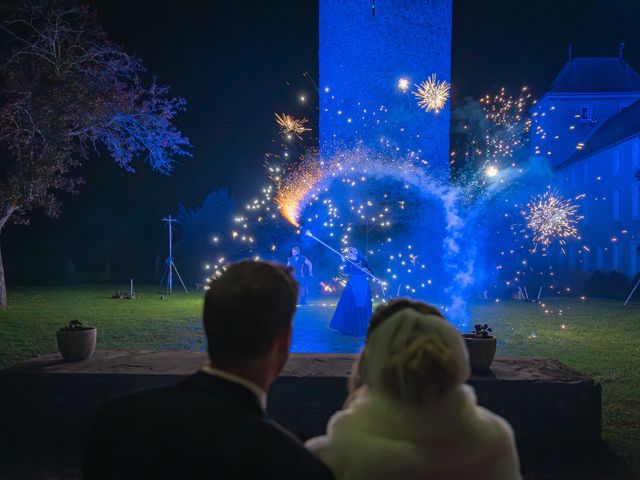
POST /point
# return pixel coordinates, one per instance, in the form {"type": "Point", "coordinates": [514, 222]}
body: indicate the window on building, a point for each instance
{"type": "Point", "coordinates": [586, 260]}
{"type": "Point", "coordinates": [585, 171]}
{"type": "Point", "coordinates": [635, 201]}
{"type": "Point", "coordinates": [634, 258]}
{"type": "Point", "coordinates": [585, 113]}
{"type": "Point", "coordinates": [574, 175]}
{"type": "Point", "coordinates": [635, 155]}
{"type": "Point", "coordinates": [617, 161]}
{"type": "Point", "coordinates": [615, 257]}
{"type": "Point", "coordinates": [599, 257]}
{"type": "Point", "coordinates": [585, 211]}
{"type": "Point", "coordinates": [617, 204]}
{"type": "Point", "coordinates": [572, 257]}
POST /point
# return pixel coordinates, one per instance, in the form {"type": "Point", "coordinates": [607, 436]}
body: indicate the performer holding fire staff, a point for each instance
{"type": "Point", "coordinates": [354, 307]}
{"type": "Point", "coordinates": [298, 263]}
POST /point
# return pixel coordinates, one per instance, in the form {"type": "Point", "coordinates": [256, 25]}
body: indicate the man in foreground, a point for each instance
{"type": "Point", "coordinates": [213, 424]}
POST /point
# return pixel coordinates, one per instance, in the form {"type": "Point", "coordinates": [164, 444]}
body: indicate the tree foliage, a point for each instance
{"type": "Point", "coordinates": [199, 226]}
{"type": "Point", "coordinates": [68, 93]}
{"type": "Point", "coordinates": [66, 87]}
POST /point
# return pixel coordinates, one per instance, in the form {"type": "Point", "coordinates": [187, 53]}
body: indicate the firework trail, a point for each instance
{"type": "Point", "coordinates": [296, 183]}
{"type": "Point", "coordinates": [369, 198]}
{"type": "Point", "coordinates": [309, 180]}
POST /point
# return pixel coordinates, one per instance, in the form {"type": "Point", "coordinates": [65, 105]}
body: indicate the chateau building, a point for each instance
{"type": "Point", "coordinates": [588, 126]}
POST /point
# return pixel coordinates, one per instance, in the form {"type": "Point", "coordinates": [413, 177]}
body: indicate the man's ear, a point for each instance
{"type": "Point", "coordinates": [287, 335]}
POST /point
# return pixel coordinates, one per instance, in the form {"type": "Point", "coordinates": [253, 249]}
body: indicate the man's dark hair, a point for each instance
{"type": "Point", "coordinates": [246, 308]}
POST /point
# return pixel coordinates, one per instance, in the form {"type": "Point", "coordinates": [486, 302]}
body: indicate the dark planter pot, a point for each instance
{"type": "Point", "coordinates": [77, 345]}
{"type": "Point", "coordinates": [481, 352]}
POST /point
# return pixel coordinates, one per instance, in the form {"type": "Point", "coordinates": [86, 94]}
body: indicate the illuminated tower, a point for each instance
{"type": "Point", "coordinates": [366, 48]}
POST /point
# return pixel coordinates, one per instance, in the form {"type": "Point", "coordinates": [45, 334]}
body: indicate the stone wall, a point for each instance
{"type": "Point", "coordinates": [47, 406]}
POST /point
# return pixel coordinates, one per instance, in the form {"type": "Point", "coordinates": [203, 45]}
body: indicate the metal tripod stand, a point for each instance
{"type": "Point", "coordinates": [170, 267]}
{"type": "Point", "coordinates": [637, 283]}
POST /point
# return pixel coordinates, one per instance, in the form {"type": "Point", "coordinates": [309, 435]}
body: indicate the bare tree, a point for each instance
{"type": "Point", "coordinates": [67, 93]}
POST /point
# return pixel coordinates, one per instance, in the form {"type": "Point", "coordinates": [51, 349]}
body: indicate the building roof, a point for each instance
{"type": "Point", "coordinates": [622, 126]}
{"type": "Point", "coordinates": [596, 75]}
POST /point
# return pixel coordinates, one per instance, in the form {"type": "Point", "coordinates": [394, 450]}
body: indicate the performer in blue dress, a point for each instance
{"type": "Point", "coordinates": [354, 307]}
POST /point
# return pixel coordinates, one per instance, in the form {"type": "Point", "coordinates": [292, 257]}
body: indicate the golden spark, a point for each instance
{"type": "Point", "coordinates": [291, 126]}
{"type": "Point", "coordinates": [295, 185]}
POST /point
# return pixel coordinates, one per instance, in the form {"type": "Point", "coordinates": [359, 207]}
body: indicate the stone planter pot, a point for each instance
{"type": "Point", "coordinates": [77, 345]}
{"type": "Point", "coordinates": [481, 352]}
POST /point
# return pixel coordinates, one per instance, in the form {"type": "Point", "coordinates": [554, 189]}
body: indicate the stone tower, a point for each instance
{"type": "Point", "coordinates": [366, 47]}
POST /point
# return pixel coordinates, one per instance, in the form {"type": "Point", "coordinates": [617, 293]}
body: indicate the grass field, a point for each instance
{"type": "Point", "coordinates": [597, 337]}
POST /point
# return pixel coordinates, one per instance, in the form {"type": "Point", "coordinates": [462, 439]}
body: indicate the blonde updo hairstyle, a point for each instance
{"type": "Point", "coordinates": [412, 353]}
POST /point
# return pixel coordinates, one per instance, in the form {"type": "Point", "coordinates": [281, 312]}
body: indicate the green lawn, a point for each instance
{"type": "Point", "coordinates": [599, 338]}
{"type": "Point", "coordinates": [28, 324]}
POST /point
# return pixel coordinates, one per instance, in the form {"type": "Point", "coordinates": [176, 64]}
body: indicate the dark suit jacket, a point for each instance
{"type": "Point", "coordinates": [205, 427]}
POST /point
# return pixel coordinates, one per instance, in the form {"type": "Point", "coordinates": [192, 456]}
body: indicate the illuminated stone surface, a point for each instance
{"type": "Point", "coordinates": [364, 54]}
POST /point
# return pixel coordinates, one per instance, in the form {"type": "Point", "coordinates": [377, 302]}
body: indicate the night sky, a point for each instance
{"type": "Point", "coordinates": [237, 63]}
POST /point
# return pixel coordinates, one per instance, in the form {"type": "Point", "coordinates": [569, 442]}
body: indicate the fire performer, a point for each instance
{"type": "Point", "coordinates": [354, 307]}
{"type": "Point", "coordinates": [297, 263]}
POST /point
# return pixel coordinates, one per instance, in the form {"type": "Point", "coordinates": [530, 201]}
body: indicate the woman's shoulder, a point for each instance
{"type": "Point", "coordinates": [488, 420]}
{"type": "Point", "coordinates": [354, 417]}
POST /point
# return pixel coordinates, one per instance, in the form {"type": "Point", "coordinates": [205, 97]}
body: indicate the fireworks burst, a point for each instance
{"type": "Point", "coordinates": [510, 125]}
{"type": "Point", "coordinates": [291, 126]}
{"type": "Point", "coordinates": [376, 200]}
{"type": "Point", "coordinates": [432, 95]}
{"type": "Point", "coordinates": [550, 217]}
{"type": "Point", "coordinates": [505, 110]}
{"type": "Point", "coordinates": [492, 131]}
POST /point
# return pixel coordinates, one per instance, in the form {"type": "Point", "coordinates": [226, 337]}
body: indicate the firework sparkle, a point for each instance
{"type": "Point", "coordinates": [374, 198]}
{"type": "Point", "coordinates": [290, 125]}
{"type": "Point", "coordinates": [551, 217]}
{"type": "Point", "coordinates": [432, 95]}
{"type": "Point", "coordinates": [294, 186]}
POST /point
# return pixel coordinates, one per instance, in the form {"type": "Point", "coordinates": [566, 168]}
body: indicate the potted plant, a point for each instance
{"type": "Point", "coordinates": [482, 348]}
{"type": "Point", "coordinates": [76, 341]}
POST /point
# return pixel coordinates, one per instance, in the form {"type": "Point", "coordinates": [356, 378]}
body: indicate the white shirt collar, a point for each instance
{"type": "Point", "coordinates": [248, 384]}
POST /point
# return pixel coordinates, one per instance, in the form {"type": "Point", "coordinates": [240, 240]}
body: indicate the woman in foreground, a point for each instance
{"type": "Point", "coordinates": [410, 415]}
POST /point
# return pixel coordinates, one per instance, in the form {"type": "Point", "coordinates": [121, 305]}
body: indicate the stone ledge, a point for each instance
{"type": "Point", "coordinates": [47, 404]}
{"type": "Point", "coordinates": [183, 363]}
{"type": "Point", "coordinates": [174, 362]}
